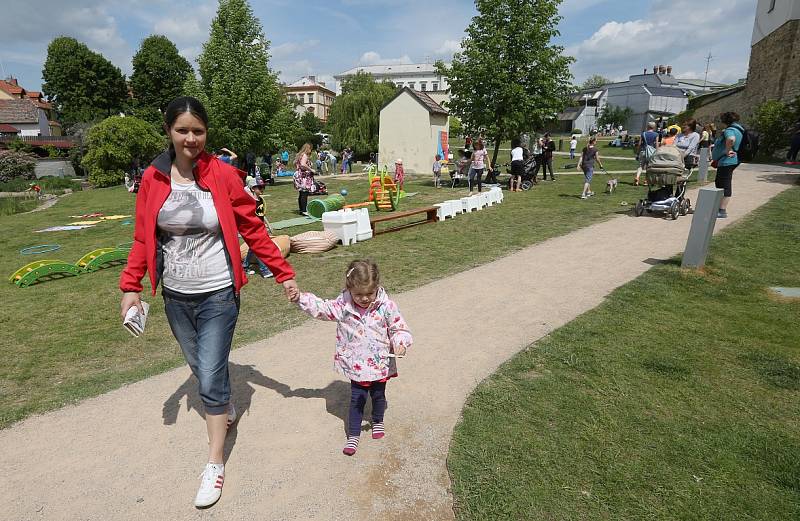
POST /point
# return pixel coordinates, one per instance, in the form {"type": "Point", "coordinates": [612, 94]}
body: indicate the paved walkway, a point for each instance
{"type": "Point", "coordinates": [135, 453]}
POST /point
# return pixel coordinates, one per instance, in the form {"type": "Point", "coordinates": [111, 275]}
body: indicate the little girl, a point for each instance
{"type": "Point", "coordinates": [399, 174]}
{"type": "Point", "coordinates": [370, 333]}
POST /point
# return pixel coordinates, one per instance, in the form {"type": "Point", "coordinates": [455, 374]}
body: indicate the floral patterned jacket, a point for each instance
{"type": "Point", "coordinates": [363, 343]}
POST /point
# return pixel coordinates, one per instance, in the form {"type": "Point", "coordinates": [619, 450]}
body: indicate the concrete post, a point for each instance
{"type": "Point", "coordinates": [702, 168]}
{"type": "Point", "coordinates": [703, 221]}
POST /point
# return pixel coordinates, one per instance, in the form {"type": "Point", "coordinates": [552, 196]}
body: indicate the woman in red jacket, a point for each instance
{"type": "Point", "coordinates": [190, 210]}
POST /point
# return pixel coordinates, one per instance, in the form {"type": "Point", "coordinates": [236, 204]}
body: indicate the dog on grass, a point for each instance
{"type": "Point", "coordinates": [611, 185]}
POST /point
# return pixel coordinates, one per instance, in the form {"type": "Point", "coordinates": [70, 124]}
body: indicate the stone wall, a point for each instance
{"type": "Point", "coordinates": [54, 168]}
{"type": "Point", "coordinates": [774, 72]}
{"type": "Point", "coordinates": [709, 112]}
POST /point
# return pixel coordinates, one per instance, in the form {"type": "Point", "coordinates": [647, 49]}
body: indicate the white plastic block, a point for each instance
{"type": "Point", "coordinates": [444, 210]}
{"type": "Point", "coordinates": [456, 205]}
{"type": "Point", "coordinates": [484, 199]}
{"type": "Point", "coordinates": [343, 224]}
{"type": "Point", "coordinates": [364, 229]}
{"type": "Point", "coordinates": [469, 204]}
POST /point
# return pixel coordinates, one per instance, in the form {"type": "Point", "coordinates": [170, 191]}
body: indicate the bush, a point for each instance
{"type": "Point", "coordinates": [577, 132]}
{"type": "Point", "coordinates": [16, 165]}
{"type": "Point", "coordinates": [113, 145]}
{"type": "Point", "coordinates": [773, 119]}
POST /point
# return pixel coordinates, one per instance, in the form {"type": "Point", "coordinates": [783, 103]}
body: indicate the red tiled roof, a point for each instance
{"type": "Point", "coordinates": [18, 111]}
{"type": "Point", "coordinates": [10, 87]}
{"type": "Point", "coordinates": [8, 129]}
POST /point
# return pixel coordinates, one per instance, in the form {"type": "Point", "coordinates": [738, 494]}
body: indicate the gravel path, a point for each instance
{"type": "Point", "coordinates": [135, 453]}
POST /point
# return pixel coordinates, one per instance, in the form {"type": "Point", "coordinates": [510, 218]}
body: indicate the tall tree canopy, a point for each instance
{"type": "Point", "coordinates": [355, 114]}
{"type": "Point", "coordinates": [509, 77]}
{"type": "Point", "coordinates": [613, 115]}
{"type": "Point", "coordinates": [158, 75]}
{"type": "Point", "coordinates": [595, 81]}
{"type": "Point", "coordinates": [82, 84]}
{"type": "Point", "coordinates": [245, 104]}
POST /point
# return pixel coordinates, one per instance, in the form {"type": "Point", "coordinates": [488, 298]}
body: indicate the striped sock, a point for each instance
{"type": "Point", "coordinates": [377, 431]}
{"type": "Point", "coordinates": [351, 446]}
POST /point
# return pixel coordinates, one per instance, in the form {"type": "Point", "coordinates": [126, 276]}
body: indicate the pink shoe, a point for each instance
{"type": "Point", "coordinates": [351, 446]}
{"type": "Point", "coordinates": [377, 431]}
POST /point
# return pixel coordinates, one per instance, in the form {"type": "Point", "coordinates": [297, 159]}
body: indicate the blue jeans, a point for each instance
{"type": "Point", "coordinates": [248, 260]}
{"type": "Point", "coordinates": [203, 325]}
{"type": "Point", "coordinates": [358, 399]}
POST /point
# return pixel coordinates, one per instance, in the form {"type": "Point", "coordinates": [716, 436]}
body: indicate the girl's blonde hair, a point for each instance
{"type": "Point", "coordinates": [306, 149]}
{"type": "Point", "coordinates": [362, 274]}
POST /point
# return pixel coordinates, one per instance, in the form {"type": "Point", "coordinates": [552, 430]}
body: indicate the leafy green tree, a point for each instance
{"type": "Point", "coordinates": [773, 120]}
{"type": "Point", "coordinates": [509, 78]}
{"type": "Point", "coordinates": [159, 73]}
{"type": "Point", "coordinates": [612, 115]}
{"type": "Point", "coordinates": [595, 82]}
{"type": "Point", "coordinates": [455, 127]}
{"type": "Point", "coordinates": [246, 106]}
{"type": "Point", "coordinates": [114, 143]}
{"type": "Point", "coordinates": [82, 84]}
{"type": "Point", "coordinates": [355, 115]}
{"type": "Point", "coordinates": [311, 122]}
{"type": "Point", "coordinates": [16, 165]}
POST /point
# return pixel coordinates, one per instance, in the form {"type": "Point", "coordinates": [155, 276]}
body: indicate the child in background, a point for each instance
{"type": "Point", "coordinates": [573, 145]}
{"type": "Point", "coordinates": [437, 171]}
{"type": "Point", "coordinates": [370, 333]}
{"type": "Point", "coordinates": [399, 174]}
{"type": "Point", "coordinates": [255, 187]}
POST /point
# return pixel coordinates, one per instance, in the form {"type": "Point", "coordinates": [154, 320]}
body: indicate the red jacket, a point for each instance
{"type": "Point", "coordinates": [236, 211]}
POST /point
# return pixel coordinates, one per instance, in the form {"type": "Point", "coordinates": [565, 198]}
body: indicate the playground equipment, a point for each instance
{"type": "Point", "coordinates": [94, 260]}
{"type": "Point", "coordinates": [42, 270]}
{"type": "Point", "coordinates": [317, 207]}
{"type": "Point", "coordinates": [39, 249]}
{"type": "Point", "coordinates": [51, 269]}
{"type": "Point", "coordinates": [383, 191]}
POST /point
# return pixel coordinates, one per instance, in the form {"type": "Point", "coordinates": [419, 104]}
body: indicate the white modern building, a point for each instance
{"type": "Point", "coordinates": [416, 76]}
{"type": "Point", "coordinates": [649, 95]}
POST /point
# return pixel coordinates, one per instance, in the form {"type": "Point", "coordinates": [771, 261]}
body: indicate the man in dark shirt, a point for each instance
{"type": "Point", "coordinates": [548, 147]}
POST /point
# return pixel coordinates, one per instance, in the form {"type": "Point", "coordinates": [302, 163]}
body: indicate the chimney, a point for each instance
{"type": "Point", "coordinates": [644, 71]}
{"type": "Point", "coordinates": [312, 78]}
{"type": "Point", "coordinates": [662, 69]}
{"type": "Point", "coordinates": [669, 69]}
{"type": "Point", "coordinates": [13, 81]}
{"type": "Point", "coordinates": [655, 69]}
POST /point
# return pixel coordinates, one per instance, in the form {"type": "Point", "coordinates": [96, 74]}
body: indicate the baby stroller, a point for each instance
{"type": "Point", "coordinates": [528, 174]}
{"type": "Point", "coordinates": [666, 185]}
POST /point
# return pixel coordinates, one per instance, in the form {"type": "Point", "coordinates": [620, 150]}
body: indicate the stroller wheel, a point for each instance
{"type": "Point", "coordinates": [527, 185]}
{"type": "Point", "coordinates": [674, 210]}
{"type": "Point", "coordinates": [684, 207]}
{"type": "Point", "coordinates": [638, 210]}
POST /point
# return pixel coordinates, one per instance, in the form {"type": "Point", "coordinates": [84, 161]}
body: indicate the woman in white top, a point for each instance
{"type": "Point", "coordinates": [687, 142]}
{"type": "Point", "coordinates": [517, 165]}
{"type": "Point", "coordinates": [479, 158]}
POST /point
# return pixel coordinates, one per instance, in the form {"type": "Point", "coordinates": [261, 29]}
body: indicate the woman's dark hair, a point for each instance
{"type": "Point", "coordinates": [515, 142]}
{"type": "Point", "coordinates": [692, 124]}
{"type": "Point", "coordinates": [182, 105]}
{"type": "Point", "coordinates": [729, 118]}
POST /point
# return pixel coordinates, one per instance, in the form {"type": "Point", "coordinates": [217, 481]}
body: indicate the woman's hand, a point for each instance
{"type": "Point", "coordinates": [292, 290]}
{"type": "Point", "coordinates": [129, 300]}
{"type": "Point", "coordinates": [400, 350]}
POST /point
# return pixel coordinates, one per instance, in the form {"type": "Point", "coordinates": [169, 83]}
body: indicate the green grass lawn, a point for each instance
{"type": "Point", "coordinates": [678, 398]}
{"type": "Point", "coordinates": [63, 340]}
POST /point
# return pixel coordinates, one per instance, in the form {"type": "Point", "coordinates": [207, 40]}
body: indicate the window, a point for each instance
{"type": "Point", "coordinates": [311, 98]}
{"type": "Point", "coordinates": [435, 86]}
{"type": "Point", "coordinates": [771, 6]}
{"type": "Point", "coordinates": [423, 85]}
{"type": "Point", "coordinates": [399, 84]}
{"type": "Point", "coordinates": [411, 85]}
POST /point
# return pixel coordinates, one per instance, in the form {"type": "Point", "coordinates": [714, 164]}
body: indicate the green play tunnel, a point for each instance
{"type": "Point", "coordinates": [317, 207]}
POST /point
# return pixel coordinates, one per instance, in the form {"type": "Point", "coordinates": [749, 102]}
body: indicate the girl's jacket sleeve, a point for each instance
{"type": "Point", "coordinates": [322, 309]}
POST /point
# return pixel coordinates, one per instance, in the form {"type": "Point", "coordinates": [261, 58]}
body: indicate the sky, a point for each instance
{"type": "Point", "coordinates": [614, 38]}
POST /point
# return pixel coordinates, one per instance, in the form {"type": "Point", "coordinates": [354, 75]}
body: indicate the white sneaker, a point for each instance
{"type": "Point", "coordinates": [584, 196]}
{"type": "Point", "coordinates": [231, 415]}
{"type": "Point", "coordinates": [251, 272]}
{"type": "Point", "coordinates": [210, 486]}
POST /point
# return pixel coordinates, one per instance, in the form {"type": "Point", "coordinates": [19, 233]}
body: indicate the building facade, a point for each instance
{"type": "Point", "coordinates": [312, 96]}
{"type": "Point", "coordinates": [774, 69]}
{"type": "Point", "coordinates": [27, 111]}
{"type": "Point", "coordinates": [416, 76]}
{"type": "Point", "coordinates": [414, 128]}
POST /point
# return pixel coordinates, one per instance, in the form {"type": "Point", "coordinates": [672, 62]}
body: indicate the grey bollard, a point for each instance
{"type": "Point", "coordinates": [702, 167]}
{"type": "Point", "coordinates": [703, 221]}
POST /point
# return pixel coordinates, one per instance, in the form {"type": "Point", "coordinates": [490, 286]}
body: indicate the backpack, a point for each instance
{"type": "Point", "coordinates": [748, 147]}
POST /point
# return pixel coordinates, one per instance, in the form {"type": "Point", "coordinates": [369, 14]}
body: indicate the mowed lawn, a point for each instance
{"type": "Point", "coordinates": [63, 340]}
{"type": "Point", "coordinates": [678, 398]}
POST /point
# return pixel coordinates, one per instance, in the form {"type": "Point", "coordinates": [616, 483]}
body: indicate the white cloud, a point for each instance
{"type": "Point", "coordinates": [449, 47]}
{"type": "Point", "coordinates": [677, 33]}
{"type": "Point", "coordinates": [374, 58]}
{"type": "Point", "coordinates": [289, 48]}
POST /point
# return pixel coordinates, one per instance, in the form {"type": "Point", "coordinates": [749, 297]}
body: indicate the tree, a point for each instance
{"type": "Point", "coordinates": [595, 81]}
{"type": "Point", "coordinates": [16, 165]}
{"type": "Point", "coordinates": [355, 115]}
{"type": "Point", "coordinates": [159, 73]}
{"type": "Point", "coordinates": [246, 106]}
{"type": "Point", "coordinates": [509, 77]}
{"type": "Point", "coordinates": [773, 120]}
{"type": "Point", "coordinates": [611, 115]}
{"type": "Point", "coordinates": [113, 145]}
{"type": "Point", "coordinates": [311, 122]}
{"type": "Point", "coordinates": [455, 127]}
{"type": "Point", "coordinates": [82, 84]}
